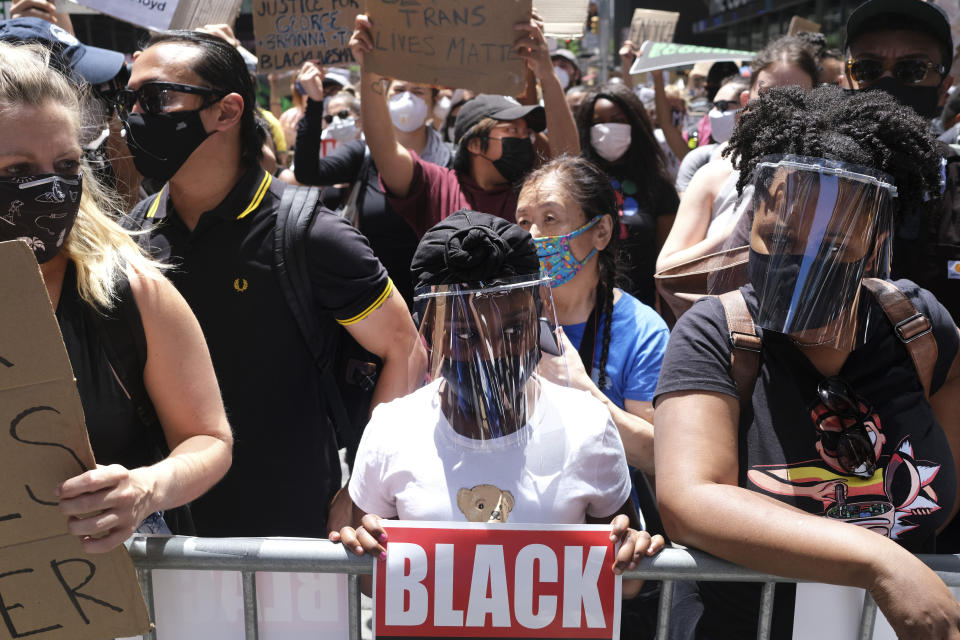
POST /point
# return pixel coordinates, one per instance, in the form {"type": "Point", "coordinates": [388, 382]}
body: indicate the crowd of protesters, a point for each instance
{"type": "Point", "coordinates": [722, 315]}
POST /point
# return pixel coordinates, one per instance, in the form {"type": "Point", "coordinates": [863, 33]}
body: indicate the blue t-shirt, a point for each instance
{"type": "Point", "coordinates": [638, 340]}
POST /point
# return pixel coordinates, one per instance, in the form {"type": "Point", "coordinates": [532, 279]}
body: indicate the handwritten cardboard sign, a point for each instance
{"type": "Point", "coordinates": [459, 580]}
{"type": "Point", "coordinates": [49, 588]}
{"type": "Point", "coordinates": [454, 43]}
{"type": "Point", "coordinates": [650, 24]}
{"type": "Point", "coordinates": [290, 32]}
{"type": "Point", "coordinates": [663, 55]}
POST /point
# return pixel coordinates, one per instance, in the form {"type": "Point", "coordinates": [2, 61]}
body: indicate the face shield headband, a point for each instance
{"type": "Point", "coordinates": [483, 348]}
{"type": "Point", "coordinates": [819, 227]}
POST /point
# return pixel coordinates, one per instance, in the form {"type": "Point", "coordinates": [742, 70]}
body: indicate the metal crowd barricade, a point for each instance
{"type": "Point", "coordinates": [250, 555]}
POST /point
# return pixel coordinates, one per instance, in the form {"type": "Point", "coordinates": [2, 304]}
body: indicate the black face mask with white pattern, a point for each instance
{"type": "Point", "coordinates": [39, 210]}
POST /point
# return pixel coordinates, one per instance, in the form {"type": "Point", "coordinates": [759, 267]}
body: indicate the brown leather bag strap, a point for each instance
{"type": "Point", "coordinates": [745, 345]}
{"type": "Point", "coordinates": [913, 328]}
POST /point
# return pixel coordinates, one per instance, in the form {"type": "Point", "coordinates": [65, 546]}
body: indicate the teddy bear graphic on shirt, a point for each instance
{"type": "Point", "coordinates": [485, 503]}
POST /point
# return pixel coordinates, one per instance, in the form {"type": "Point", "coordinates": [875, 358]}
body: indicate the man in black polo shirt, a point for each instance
{"type": "Point", "coordinates": [188, 114]}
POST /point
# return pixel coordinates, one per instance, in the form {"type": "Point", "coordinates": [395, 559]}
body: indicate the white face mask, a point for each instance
{"type": "Point", "coordinates": [564, 77]}
{"type": "Point", "coordinates": [407, 111]}
{"type": "Point", "coordinates": [610, 140]}
{"type": "Point", "coordinates": [441, 110]}
{"type": "Point", "coordinates": [721, 124]}
{"type": "Point", "coordinates": [341, 130]}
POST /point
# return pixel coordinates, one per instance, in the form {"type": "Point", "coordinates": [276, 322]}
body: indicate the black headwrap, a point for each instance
{"type": "Point", "coordinates": [468, 246]}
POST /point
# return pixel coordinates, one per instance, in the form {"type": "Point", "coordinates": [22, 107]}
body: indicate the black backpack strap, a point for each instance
{"type": "Point", "coordinates": [913, 328]}
{"type": "Point", "coordinates": [294, 216]}
{"type": "Point", "coordinates": [745, 345]}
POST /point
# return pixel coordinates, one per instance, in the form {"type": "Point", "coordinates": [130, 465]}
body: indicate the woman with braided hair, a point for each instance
{"type": "Point", "coordinates": [570, 209]}
{"type": "Point", "coordinates": [792, 411]}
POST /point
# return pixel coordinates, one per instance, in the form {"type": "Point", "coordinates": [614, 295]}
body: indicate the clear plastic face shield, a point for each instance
{"type": "Point", "coordinates": [483, 347]}
{"type": "Point", "coordinates": [819, 227]}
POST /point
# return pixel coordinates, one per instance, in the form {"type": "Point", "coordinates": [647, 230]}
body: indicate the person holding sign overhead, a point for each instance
{"type": "Point", "coordinates": [488, 440]}
{"type": "Point", "coordinates": [109, 298]}
{"type": "Point", "coordinates": [493, 139]}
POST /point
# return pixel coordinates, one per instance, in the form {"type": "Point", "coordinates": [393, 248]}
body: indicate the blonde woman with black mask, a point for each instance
{"type": "Point", "coordinates": [93, 270]}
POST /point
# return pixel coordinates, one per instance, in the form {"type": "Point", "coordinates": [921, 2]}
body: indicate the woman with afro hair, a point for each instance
{"type": "Point", "coordinates": [834, 458]}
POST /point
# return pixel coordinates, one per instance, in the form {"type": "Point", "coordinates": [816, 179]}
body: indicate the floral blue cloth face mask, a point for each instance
{"type": "Point", "coordinates": [557, 262]}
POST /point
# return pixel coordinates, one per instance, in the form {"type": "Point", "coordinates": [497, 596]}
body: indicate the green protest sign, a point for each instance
{"type": "Point", "coordinates": [666, 55]}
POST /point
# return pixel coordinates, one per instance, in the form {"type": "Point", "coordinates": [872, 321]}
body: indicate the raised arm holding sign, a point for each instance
{"type": "Point", "coordinates": [488, 160]}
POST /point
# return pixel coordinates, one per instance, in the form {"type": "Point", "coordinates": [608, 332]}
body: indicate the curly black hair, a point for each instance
{"type": "Point", "coordinates": [867, 128]}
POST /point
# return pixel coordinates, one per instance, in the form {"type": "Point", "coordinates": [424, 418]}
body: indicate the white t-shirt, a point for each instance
{"type": "Point", "coordinates": [567, 462]}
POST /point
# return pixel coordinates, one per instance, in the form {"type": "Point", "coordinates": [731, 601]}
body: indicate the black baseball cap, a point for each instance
{"type": "Point", "coordinates": [919, 12]}
{"type": "Point", "coordinates": [499, 108]}
{"type": "Point", "coordinates": [93, 64]}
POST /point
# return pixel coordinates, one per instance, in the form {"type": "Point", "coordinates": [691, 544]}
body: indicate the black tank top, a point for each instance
{"type": "Point", "coordinates": [117, 435]}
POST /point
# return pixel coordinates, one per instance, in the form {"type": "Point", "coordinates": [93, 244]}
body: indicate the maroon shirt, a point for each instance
{"type": "Point", "coordinates": [436, 192]}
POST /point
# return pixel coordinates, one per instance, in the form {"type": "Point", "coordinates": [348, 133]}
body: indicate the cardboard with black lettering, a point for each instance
{"type": "Point", "coordinates": [49, 588]}
{"type": "Point", "coordinates": [476, 580]}
{"type": "Point", "coordinates": [452, 43]}
{"type": "Point", "coordinates": [290, 32]}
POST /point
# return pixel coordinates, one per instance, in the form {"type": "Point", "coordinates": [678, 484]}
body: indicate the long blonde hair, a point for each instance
{"type": "Point", "coordinates": [102, 250]}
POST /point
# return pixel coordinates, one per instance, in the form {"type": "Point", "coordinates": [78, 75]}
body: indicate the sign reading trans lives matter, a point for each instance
{"type": "Point", "coordinates": [449, 43]}
{"type": "Point", "coordinates": [471, 580]}
{"type": "Point", "coordinates": [665, 55]}
{"type": "Point", "coordinates": [290, 32]}
{"type": "Point", "coordinates": [49, 588]}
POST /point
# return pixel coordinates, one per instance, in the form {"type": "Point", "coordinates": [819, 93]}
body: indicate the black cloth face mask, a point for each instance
{"type": "Point", "coordinates": [516, 158]}
{"type": "Point", "coordinates": [40, 210]}
{"type": "Point", "coordinates": [774, 278]}
{"type": "Point", "coordinates": [162, 142]}
{"type": "Point", "coordinates": [923, 100]}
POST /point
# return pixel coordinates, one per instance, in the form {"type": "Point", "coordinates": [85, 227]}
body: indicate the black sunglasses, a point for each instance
{"type": "Point", "coordinates": [723, 105]}
{"type": "Point", "coordinates": [155, 97]}
{"type": "Point", "coordinates": [906, 70]}
{"type": "Point", "coordinates": [851, 445]}
{"type": "Point", "coordinates": [342, 114]}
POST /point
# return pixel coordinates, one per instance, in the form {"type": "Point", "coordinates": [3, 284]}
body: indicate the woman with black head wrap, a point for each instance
{"type": "Point", "coordinates": [834, 455]}
{"type": "Point", "coordinates": [486, 434]}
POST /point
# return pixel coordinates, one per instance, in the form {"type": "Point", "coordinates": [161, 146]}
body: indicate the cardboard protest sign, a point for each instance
{"type": "Point", "coordinates": [452, 43]}
{"type": "Point", "coordinates": [496, 581]}
{"type": "Point", "coordinates": [649, 24]}
{"type": "Point", "coordinates": [798, 24]}
{"type": "Point", "coordinates": [662, 55]}
{"type": "Point", "coordinates": [49, 588]}
{"type": "Point", "coordinates": [563, 19]}
{"type": "Point", "coordinates": [290, 32]}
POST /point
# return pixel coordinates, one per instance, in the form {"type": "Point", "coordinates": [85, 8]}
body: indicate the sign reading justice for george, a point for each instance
{"type": "Point", "coordinates": [49, 588]}
{"type": "Point", "coordinates": [453, 43]}
{"type": "Point", "coordinates": [470, 580]}
{"type": "Point", "coordinates": [291, 32]}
